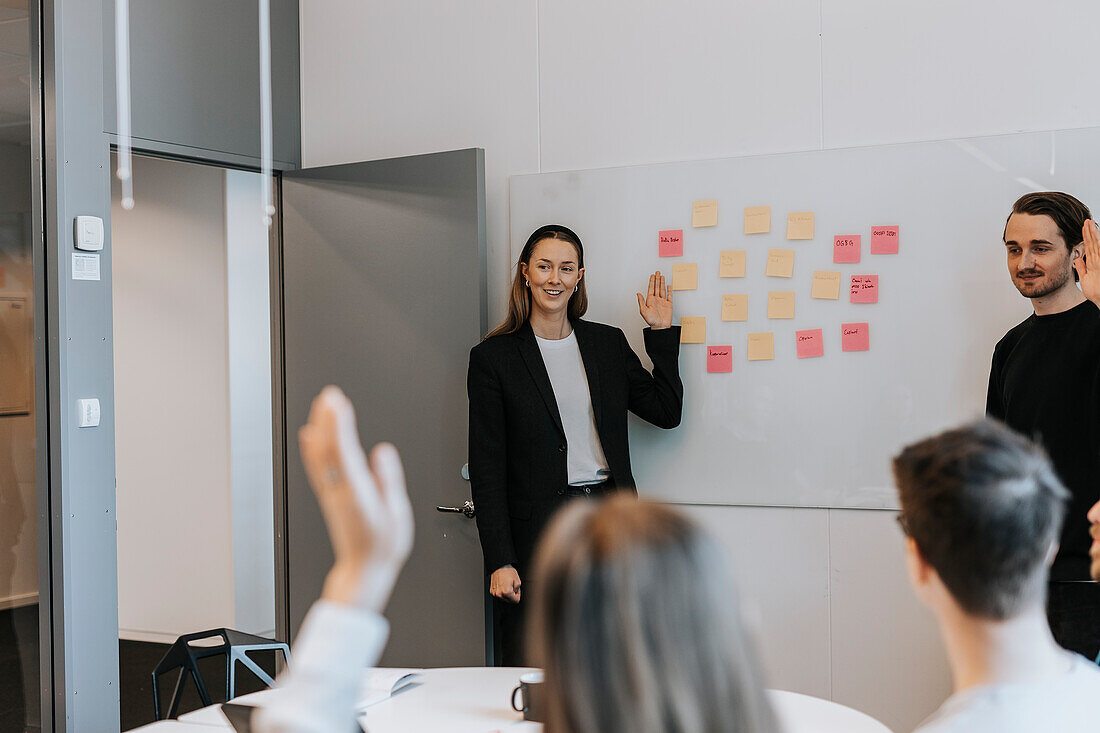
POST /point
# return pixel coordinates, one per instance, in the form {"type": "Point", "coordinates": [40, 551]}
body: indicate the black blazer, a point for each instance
{"type": "Point", "coordinates": [517, 444]}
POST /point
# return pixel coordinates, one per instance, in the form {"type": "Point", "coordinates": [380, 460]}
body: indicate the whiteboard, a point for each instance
{"type": "Point", "coordinates": [816, 432]}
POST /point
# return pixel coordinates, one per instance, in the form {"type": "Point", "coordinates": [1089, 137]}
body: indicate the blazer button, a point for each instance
{"type": "Point", "coordinates": [561, 449]}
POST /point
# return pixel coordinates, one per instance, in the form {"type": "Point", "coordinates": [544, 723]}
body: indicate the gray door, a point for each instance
{"type": "Point", "coordinates": [383, 275]}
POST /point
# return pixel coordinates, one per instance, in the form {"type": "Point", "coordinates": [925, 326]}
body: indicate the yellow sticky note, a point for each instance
{"type": "Point", "coordinates": [732, 263]}
{"type": "Point", "coordinates": [826, 285]}
{"type": "Point", "coordinates": [761, 346]}
{"type": "Point", "coordinates": [704, 213]}
{"type": "Point", "coordinates": [735, 307]}
{"type": "Point", "coordinates": [685, 276]}
{"type": "Point", "coordinates": [800, 225]}
{"type": "Point", "coordinates": [780, 304]}
{"type": "Point", "coordinates": [780, 263]}
{"type": "Point", "coordinates": [693, 329]}
{"type": "Point", "coordinates": [758, 219]}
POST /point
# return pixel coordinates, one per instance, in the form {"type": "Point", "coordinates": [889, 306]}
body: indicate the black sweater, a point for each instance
{"type": "Point", "coordinates": [1045, 383]}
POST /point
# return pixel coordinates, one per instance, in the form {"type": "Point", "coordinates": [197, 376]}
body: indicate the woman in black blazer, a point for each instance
{"type": "Point", "coordinates": [549, 394]}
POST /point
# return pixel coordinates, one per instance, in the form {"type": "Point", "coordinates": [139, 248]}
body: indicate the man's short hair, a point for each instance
{"type": "Point", "coordinates": [1066, 211]}
{"type": "Point", "coordinates": [985, 507]}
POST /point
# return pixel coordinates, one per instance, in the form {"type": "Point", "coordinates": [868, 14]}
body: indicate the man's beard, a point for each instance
{"type": "Point", "coordinates": [1052, 283]}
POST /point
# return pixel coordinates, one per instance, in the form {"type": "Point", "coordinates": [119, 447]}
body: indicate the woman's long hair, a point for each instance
{"type": "Point", "coordinates": [636, 623]}
{"type": "Point", "coordinates": [519, 301]}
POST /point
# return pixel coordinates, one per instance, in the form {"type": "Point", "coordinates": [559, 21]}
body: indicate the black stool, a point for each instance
{"type": "Point", "coordinates": [235, 645]}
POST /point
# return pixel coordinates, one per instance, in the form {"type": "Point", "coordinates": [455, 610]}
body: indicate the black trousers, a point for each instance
{"type": "Point", "coordinates": [1073, 610]}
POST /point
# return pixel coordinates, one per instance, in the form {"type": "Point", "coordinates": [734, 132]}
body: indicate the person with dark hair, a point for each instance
{"type": "Point", "coordinates": [549, 394]}
{"type": "Point", "coordinates": [1045, 383]}
{"type": "Point", "coordinates": [981, 510]}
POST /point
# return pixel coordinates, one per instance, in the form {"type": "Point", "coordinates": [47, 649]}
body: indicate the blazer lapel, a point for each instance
{"type": "Point", "coordinates": [591, 362]}
{"type": "Point", "coordinates": [532, 357]}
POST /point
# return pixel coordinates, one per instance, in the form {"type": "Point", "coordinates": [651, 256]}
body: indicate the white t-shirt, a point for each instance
{"type": "Point", "coordinates": [585, 459]}
{"type": "Point", "coordinates": [1068, 703]}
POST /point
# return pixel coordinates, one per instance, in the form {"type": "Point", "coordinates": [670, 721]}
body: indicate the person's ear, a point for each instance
{"type": "Point", "coordinates": [920, 572]}
{"type": "Point", "coordinates": [1052, 551]}
{"type": "Point", "coordinates": [1077, 251]}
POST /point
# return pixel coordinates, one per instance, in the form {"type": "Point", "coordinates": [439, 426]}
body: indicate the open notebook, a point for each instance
{"type": "Point", "coordinates": [381, 682]}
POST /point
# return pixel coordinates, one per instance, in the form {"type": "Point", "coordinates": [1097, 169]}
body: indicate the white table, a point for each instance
{"type": "Point", "coordinates": [476, 700]}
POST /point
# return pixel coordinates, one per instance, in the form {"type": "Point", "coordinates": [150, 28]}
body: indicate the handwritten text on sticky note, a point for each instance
{"type": "Point", "coordinates": [800, 225]}
{"type": "Point", "coordinates": [704, 213]}
{"type": "Point", "coordinates": [826, 285]}
{"type": "Point", "coordinates": [780, 304]}
{"type": "Point", "coordinates": [685, 276]}
{"type": "Point", "coordinates": [670, 243]}
{"type": "Point", "coordinates": [846, 248]}
{"type": "Point", "coordinates": [809, 343]}
{"type": "Point", "coordinates": [732, 263]}
{"type": "Point", "coordinates": [884, 240]}
{"type": "Point", "coordinates": [761, 346]}
{"type": "Point", "coordinates": [735, 307]}
{"type": "Point", "coordinates": [855, 337]}
{"type": "Point", "coordinates": [758, 219]}
{"type": "Point", "coordinates": [864, 289]}
{"type": "Point", "coordinates": [693, 329]}
{"type": "Point", "coordinates": [780, 263]}
{"type": "Point", "coordinates": [719, 359]}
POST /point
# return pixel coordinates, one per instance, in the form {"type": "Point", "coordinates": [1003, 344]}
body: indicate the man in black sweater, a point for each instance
{"type": "Point", "coordinates": [1045, 383]}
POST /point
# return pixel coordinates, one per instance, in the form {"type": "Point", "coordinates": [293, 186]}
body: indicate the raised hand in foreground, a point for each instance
{"type": "Point", "coordinates": [364, 503]}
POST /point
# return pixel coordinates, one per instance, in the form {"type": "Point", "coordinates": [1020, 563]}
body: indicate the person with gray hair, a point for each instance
{"type": "Point", "coordinates": [981, 510]}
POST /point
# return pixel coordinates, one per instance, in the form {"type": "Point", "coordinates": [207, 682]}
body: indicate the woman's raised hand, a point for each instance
{"type": "Point", "coordinates": [364, 503]}
{"type": "Point", "coordinates": [656, 306]}
{"type": "Point", "coordinates": [1088, 264]}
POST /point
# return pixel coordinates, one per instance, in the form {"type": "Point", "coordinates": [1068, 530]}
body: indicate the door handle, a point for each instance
{"type": "Point", "coordinates": [467, 509]}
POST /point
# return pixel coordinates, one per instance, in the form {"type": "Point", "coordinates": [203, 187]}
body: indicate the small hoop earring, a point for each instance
{"type": "Point", "coordinates": [527, 283]}
{"type": "Point", "coordinates": [576, 288]}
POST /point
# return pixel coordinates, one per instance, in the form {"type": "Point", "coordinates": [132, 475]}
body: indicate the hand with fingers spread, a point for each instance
{"type": "Point", "coordinates": [1088, 264]}
{"type": "Point", "coordinates": [656, 306]}
{"type": "Point", "coordinates": [364, 503]}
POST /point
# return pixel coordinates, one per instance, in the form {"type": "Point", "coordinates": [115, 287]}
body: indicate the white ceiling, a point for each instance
{"type": "Point", "coordinates": [15, 68]}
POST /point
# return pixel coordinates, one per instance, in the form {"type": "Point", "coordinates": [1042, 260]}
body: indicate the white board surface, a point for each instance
{"type": "Point", "coordinates": [818, 431]}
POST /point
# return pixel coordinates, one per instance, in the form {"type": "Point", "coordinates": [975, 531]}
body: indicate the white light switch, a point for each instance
{"type": "Point", "coordinates": [88, 233]}
{"type": "Point", "coordinates": [87, 413]}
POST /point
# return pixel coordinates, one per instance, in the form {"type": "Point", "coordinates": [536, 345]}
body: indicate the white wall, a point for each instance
{"type": "Point", "coordinates": [548, 85]}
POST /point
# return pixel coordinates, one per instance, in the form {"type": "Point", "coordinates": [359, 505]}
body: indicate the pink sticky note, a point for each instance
{"type": "Point", "coordinates": [670, 243]}
{"type": "Point", "coordinates": [855, 337]}
{"type": "Point", "coordinates": [719, 358]}
{"type": "Point", "coordinates": [864, 289]}
{"type": "Point", "coordinates": [884, 240]}
{"type": "Point", "coordinates": [809, 343]}
{"type": "Point", "coordinates": [846, 248]}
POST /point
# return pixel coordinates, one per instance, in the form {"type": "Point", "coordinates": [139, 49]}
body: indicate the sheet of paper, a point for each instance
{"type": "Point", "coordinates": [719, 359]}
{"type": "Point", "coordinates": [685, 276]}
{"type": "Point", "coordinates": [826, 285]}
{"type": "Point", "coordinates": [704, 213]}
{"type": "Point", "coordinates": [732, 263]}
{"type": "Point", "coordinates": [735, 307]}
{"type": "Point", "coordinates": [855, 337]}
{"type": "Point", "coordinates": [85, 267]}
{"type": "Point", "coordinates": [780, 263]}
{"type": "Point", "coordinates": [884, 240]}
{"type": "Point", "coordinates": [761, 346]}
{"type": "Point", "coordinates": [693, 329]}
{"type": "Point", "coordinates": [780, 304]}
{"type": "Point", "coordinates": [758, 219]}
{"type": "Point", "coordinates": [864, 289]}
{"type": "Point", "coordinates": [800, 225]}
{"type": "Point", "coordinates": [846, 248]}
{"type": "Point", "coordinates": [809, 343]}
{"type": "Point", "coordinates": [670, 243]}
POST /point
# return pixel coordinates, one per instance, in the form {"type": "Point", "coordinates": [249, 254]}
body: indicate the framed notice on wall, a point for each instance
{"type": "Point", "coordinates": [16, 355]}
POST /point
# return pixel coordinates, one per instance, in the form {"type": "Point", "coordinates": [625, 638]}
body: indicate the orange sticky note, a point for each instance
{"type": "Point", "coordinates": [732, 263]}
{"type": "Point", "coordinates": [693, 329]}
{"type": "Point", "coordinates": [884, 240]}
{"type": "Point", "coordinates": [855, 337]}
{"type": "Point", "coordinates": [809, 343]}
{"type": "Point", "coordinates": [800, 225]}
{"type": "Point", "coordinates": [735, 307]}
{"type": "Point", "coordinates": [761, 346]}
{"type": "Point", "coordinates": [846, 248]}
{"type": "Point", "coordinates": [826, 285]}
{"type": "Point", "coordinates": [864, 289]}
{"type": "Point", "coordinates": [758, 219]}
{"type": "Point", "coordinates": [704, 213]}
{"type": "Point", "coordinates": [685, 276]}
{"type": "Point", "coordinates": [719, 359]}
{"type": "Point", "coordinates": [670, 243]}
{"type": "Point", "coordinates": [780, 304]}
{"type": "Point", "coordinates": [780, 263]}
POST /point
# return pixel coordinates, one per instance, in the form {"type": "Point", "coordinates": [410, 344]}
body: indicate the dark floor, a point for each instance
{"type": "Point", "coordinates": [19, 670]}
